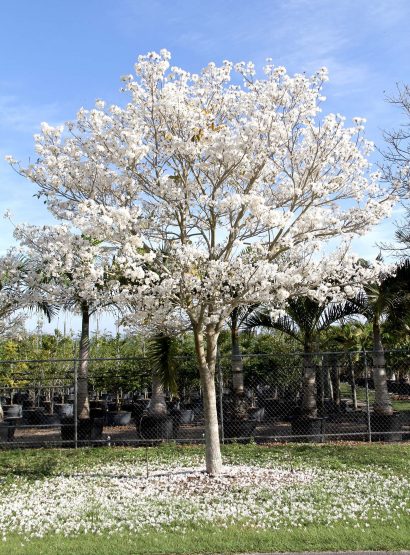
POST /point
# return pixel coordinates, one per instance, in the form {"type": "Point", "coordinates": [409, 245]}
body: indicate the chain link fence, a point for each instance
{"type": "Point", "coordinates": [259, 398]}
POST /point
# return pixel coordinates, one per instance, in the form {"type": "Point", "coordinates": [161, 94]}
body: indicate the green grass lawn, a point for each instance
{"type": "Point", "coordinates": [212, 540]}
{"type": "Point", "coordinates": [333, 497]}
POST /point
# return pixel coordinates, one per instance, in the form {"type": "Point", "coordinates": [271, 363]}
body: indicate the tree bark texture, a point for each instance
{"type": "Point", "coordinates": [353, 383]}
{"type": "Point", "coordinates": [309, 405]}
{"type": "Point", "coordinates": [328, 383]}
{"type": "Point", "coordinates": [207, 364]}
{"type": "Point", "coordinates": [320, 383]}
{"type": "Point", "coordinates": [382, 402]}
{"type": "Point", "coordinates": [83, 405]}
{"type": "Point", "coordinates": [157, 406]}
{"type": "Point", "coordinates": [335, 376]}
{"type": "Point", "coordinates": [237, 362]}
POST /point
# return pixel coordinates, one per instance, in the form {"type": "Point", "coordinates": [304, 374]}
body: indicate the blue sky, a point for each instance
{"type": "Point", "coordinates": [57, 56]}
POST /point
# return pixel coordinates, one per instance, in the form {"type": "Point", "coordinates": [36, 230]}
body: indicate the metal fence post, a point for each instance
{"type": "Point", "coordinates": [75, 405]}
{"type": "Point", "coordinates": [221, 391]}
{"type": "Point", "coordinates": [366, 368]}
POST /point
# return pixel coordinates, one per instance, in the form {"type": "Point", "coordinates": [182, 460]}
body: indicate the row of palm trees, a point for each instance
{"type": "Point", "coordinates": [306, 321]}
{"type": "Point", "coordinates": [10, 292]}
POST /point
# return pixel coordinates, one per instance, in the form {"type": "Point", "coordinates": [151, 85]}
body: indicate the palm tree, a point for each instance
{"type": "Point", "coordinates": [87, 309]}
{"type": "Point", "coordinates": [305, 320]}
{"type": "Point", "coordinates": [352, 336]}
{"type": "Point", "coordinates": [77, 273]}
{"type": "Point", "coordinates": [83, 405]}
{"type": "Point", "coordinates": [17, 294]}
{"type": "Point", "coordinates": [387, 300]}
{"type": "Point", "coordinates": [161, 351]}
{"type": "Point", "coordinates": [237, 320]}
{"type": "Point", "coordinates": [161, 356]}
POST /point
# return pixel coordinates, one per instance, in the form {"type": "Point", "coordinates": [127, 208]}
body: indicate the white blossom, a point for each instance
{"type": "Point", "coordinates": [274, 495]}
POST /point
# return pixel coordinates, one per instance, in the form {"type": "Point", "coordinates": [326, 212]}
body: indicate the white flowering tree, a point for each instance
{"type": "Point", "coordinates": [74, 272]}
{"type": "Point", "coordinates": [10, 286]}
{"type": "Point", "coordinates": [13, 326]}
{"type": "Point", "coordinates": [241, 179]}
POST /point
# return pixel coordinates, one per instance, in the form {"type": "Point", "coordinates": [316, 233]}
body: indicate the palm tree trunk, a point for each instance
{"type": "Point", "coordinates": [237, 362]}
{"type": "Point", "coordinates": [320, 387]}
{"type": "Point", "coordinates": [353, 383]}
{"type": "Point", "coordinates": [207, 365]}
{"type": "Point", "coordinates": [326, 374]}
{"type": "Point", "coordinates": [83, 406]}
{"type": "Point", "coordinates": [157, 406]}
{"type": "Point", "coordinates": [382, 402]}
{"type": "Point", "coordinates": [335, 377]}
{"type": "Point", "coordinates": [309, 406]}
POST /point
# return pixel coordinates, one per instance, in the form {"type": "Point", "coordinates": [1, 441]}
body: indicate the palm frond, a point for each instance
{"type": "Point", "coordinates": [49, 310]}
{"type": "Point", "coordinates": [336, 312]}
{"type": "Point", "coordinates": [305, 312]}
{"type": "Point", "coordinates": [240, 315]}
{"type": "Point", "coordinates": [262, 319]}
{"type": "Point", "coordinates": [161, 355]}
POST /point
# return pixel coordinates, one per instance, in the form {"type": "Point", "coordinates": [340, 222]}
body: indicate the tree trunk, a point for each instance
{"type": "Point", "coordinates": [309, 406]}
{"type": "Point", "coordinates": [320, 380]}
{"type": "Point", "coordinates": [237, 362]}
{"type": "Point", "coordinates": [1, 413]}
{"type": "Point", "coordinates": [207, 364]}
{"type": "Point", "coordinates": [382, 402]}
{"type": "Point", "coordinates": [353, 383]}
{"type": "Point", "coordinates": [328, 382]}
{"type": "Point", "coordinates": [83, 406]}
{"type": "Point", "coordinates": [157, 406]}
{"type": "Point", "coordinates": [336, 380]}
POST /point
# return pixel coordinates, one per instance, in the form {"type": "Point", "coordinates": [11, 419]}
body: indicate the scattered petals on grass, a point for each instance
{"type": "Point", "coordinates": [114, 498]}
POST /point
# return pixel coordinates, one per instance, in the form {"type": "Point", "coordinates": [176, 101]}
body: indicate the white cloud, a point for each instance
{"type": "Point", "coordinates": [16, 115]}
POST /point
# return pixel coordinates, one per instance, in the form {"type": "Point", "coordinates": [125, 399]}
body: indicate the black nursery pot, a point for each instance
{"type": "Point", "coordinates": [6, 431]}
{"type": "Point", "coordinates": [64, 410]}
{"type": "Point", "coordinates": [13, 411]}
{"type": "Point", "coordinates": [51, 419]}
{"type": "Point", "coordinates": [309, 428]}
{"type": "Point", "coordinates": [87, 430]}
{"type": "Point", "coordinates": [34, 416]}
{"type": "Point", "coordinates": [118, 418]}
{"type": "Point", "coordinates": [156, 427]}
{"type": "Point", "coordinates": [386, 427]}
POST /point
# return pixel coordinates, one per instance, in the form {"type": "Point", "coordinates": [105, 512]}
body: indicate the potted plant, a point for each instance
{"type": "Point", "coordinates": [117, 417]}
{"type": "Point", "coordinates": [238, 422]}
{"type": "Point", "coordinates": [156, 422]}
{"type": "Point", "coordinates": [6, 428]}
